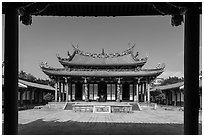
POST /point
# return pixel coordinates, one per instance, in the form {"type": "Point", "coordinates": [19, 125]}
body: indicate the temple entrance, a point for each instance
{"type": "Point", "coordinates": [102, 91]}
{"type": "Point", "coordinates": [78, 92]}
{"type": "Point", "coordinates": [126, 93]}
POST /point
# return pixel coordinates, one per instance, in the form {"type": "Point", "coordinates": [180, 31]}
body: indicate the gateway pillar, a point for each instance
{"type": "Point", "coordinates": [191, 70]}
{"type": "Point", "coordinates": [11, 71]}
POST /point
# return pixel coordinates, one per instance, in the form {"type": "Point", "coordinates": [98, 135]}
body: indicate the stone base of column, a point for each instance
{"type": "Point", "coordinates": [136, 99]}
{"type": "Point", "coordinates": [86, 99]}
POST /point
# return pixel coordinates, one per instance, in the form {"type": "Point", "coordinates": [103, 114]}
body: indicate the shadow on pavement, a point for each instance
{"type": "Point", "coordinates": [40, 127]}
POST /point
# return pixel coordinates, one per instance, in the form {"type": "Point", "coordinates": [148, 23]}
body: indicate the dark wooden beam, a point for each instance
{"type": "Point", "coordinates": [191, 71]}
{"type": "Point", "coordinates": [11, 71]}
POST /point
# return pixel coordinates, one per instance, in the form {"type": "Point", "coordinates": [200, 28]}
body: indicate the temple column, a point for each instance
{"type": "Point", "coordinates": [148, 92]}
{"type": "Point", "coordinates": [142, 92]}
{"type": "Point", "coordinates": [118, 90]}
{"type": "Point", "coordinates": [86, 90]}
{"type": "Point", "coordinates": [56, 85]}
{"type": "Point", "coordinates": [191, 69]}
{"type": "Point", "coordinates": [136, 99]}
{"type": "Point", "coordinates": [144, 88]}
{"type": "Point", "coordinates": [59, 91]}
{"type": "Point", "coordinates": [67, 90]}
{"type": "Point", "coordinates": [63, 92]}
{"type": "Point", "coordinates": [137, 90]}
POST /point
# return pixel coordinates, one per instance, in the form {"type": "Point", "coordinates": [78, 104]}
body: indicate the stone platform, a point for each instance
{"type": "Point", "coordinates": [102, 107]}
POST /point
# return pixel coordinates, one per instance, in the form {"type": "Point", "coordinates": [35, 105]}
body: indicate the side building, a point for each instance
{"type": "Point", "coordinates": [174, 93]}
{"type": "Point", "coordinates": [102, 77]}
{"type": "Point", "coordinates": [30, 93]}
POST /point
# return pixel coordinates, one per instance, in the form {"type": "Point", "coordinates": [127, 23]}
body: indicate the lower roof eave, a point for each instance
{"type": "Point", "coordinates": [104, 74]}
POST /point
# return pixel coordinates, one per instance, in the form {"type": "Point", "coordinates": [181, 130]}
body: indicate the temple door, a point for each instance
{"type": "Point", "coordinates": [102, 90]}
{"type": "Point", "coordinates": [78, 91]}
{"type": "Point", "coordinates": [126, 91]}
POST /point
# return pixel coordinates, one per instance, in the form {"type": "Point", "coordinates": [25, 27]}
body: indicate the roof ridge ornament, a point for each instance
{"type": "Point", "coordinates": [103, 54]}
{"type": "Point", "coordinates": [44, 65]}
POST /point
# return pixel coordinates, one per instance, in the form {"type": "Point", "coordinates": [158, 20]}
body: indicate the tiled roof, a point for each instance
{"type": "Point", "coordinates": [179, 85]}
{"type": "Point", "coordinates": [93, 59]}
{"type": "Point", "coordinates": [101, 73]}
{"type": "Point", "coordinates": [36, 85]}
{"type": "Point", "coordinates": [26, 84]}
{"type": "Point", "coordinates": [170, 86]}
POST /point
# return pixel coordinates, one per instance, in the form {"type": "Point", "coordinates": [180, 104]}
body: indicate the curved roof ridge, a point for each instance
{"type": "Point", "coordinates": [104, 55]}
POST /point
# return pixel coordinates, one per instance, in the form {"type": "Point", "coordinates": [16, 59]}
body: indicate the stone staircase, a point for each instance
{"type": "Point", "coordinates": [56, 105]}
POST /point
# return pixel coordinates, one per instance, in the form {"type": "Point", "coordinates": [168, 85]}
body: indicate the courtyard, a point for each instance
{"type": "Point", "coordinates": [162, 121]}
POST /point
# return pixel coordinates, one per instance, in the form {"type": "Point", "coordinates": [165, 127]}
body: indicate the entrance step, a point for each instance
{"type": "Point", "coordinates": [146, 106]}
{"type": "Point", "coordinates": [56, 105]}
{"type": "Point", "coordinates": [68, 106]}
{"type": "Point", "coordinates": [102, 107]}
{"type": "Point", "coordinates": [135, 106]}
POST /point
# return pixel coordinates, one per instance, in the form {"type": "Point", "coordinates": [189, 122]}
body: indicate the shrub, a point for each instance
{"type": "Point", "coordinates": [48, 97]}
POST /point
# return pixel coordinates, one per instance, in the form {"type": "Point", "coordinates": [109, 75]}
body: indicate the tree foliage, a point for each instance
{"type": "Point", "coordinates": [172, 80]}
{"type": "Point", "coordinates": [48, 97]}
{"type": "Point", "coordinates": [158, 96]}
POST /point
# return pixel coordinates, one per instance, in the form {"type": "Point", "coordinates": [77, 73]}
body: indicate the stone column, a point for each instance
{"type": "Point", "coordinates": [191, 69]}
{"type": "Point", "coordinates": [56, 85]}
{"type": "Point", "coordinates": [63, 92]}
{"type": "Point", "coordinates": [142, 92]}
{"type": "Point", "coordinates": [86, 90]}
{"type": "Point", "coordinates": [137, 90]}
{"type": "Point", "coordinates": [148, 92]}
{"type": "Point", "coordinates": [67, 90]}
{"type": "Point", "coordinates": [11, 70]}
{"type": "Point", "coordinates": [59, 91]}
{"type": "Point", "coordinates": [118, 90]}
{"type": "Point", "coordinates": [145, 88]}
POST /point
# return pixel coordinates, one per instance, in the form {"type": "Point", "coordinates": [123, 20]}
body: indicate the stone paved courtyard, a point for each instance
{"type": "Point", "coordinates": [148, 122]}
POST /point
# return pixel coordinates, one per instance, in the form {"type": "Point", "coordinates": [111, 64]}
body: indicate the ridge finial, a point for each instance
{"type": "Point", "coordinates": [103, 53]}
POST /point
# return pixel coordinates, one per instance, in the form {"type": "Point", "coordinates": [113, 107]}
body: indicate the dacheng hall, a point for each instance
{"type": "Point", "coordinates": [102, 77]}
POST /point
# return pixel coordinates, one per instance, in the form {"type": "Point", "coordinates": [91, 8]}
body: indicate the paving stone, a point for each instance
{"type": "Point", "coordinates": [74, 123]}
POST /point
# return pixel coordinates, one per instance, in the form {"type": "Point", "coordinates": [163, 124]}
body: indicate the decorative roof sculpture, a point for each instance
{"type": "Point", "coordinates": [82, 58]}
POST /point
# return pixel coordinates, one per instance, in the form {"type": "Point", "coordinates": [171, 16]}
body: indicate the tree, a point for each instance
{"type": "Point", "coordinates": [172, 80]}
{"type": "Point", "coordinates": [158, 96]}
{"type": "Point", "coordinates": [48, 97]}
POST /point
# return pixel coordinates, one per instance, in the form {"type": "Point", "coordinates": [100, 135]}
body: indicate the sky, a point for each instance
{"type": "Point", "coordinates": [153, 36]}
